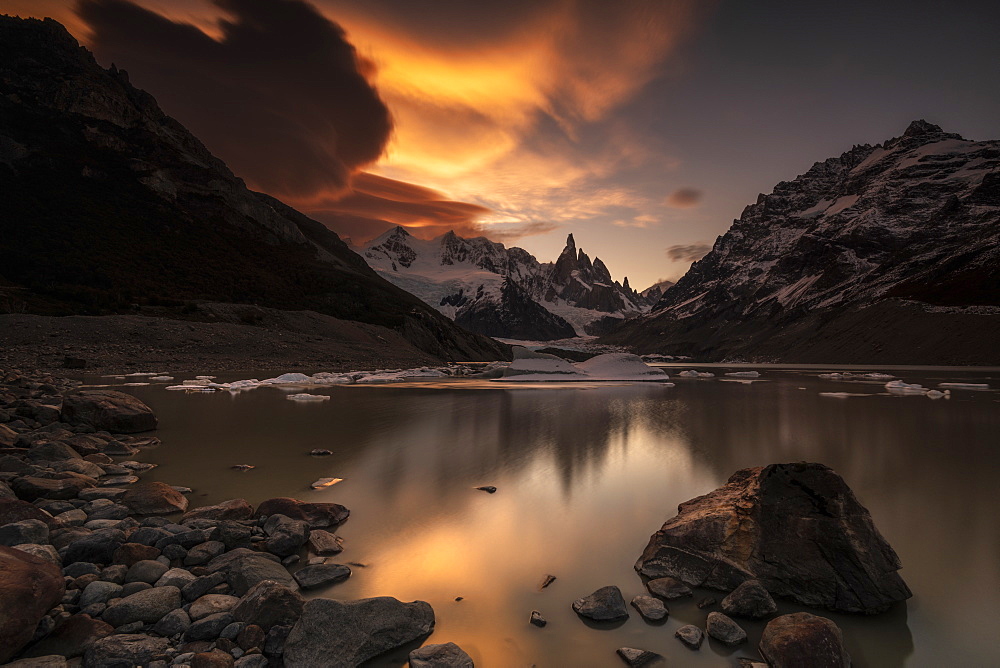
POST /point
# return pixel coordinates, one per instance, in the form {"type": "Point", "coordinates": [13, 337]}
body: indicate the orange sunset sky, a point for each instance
{"type": "Point", "coordinates": [642, 127]}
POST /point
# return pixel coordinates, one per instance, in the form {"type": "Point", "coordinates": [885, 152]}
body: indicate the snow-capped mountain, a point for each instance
{"type": "Point", "coordinates": [886, 253]}
{"type": "Point", "coordinates": [505, 292]}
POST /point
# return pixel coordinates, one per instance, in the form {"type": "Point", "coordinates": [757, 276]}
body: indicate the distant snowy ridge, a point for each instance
{"type": "Point", "coordinates": [497, 291]}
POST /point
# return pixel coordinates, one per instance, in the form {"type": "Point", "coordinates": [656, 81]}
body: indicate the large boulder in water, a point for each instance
{"type": "Point", "coordinates": [801, 640]}
{"type": "Point", "coordinates": [154, 498]}
{"type": "Point", "coordinates": [29, 587]}
{"type": "Point", "coordinates": [108, 410]}
{"type": "Point", "coordinates": [316, 515]}
{"type": "Point", "coordinates": [797, 528]}
{"type": "Point", "coordinates": [347, 633]}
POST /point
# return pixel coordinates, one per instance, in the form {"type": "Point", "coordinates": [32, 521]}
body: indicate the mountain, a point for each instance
{"type": "Point", "coordinates": [108, 205]}
{"type": "Point", "coordinates": [506, 292]}
{"type": "Point", "coordinates": [886, 254]}
{"type": "Point", "coordinates": [654, 292]}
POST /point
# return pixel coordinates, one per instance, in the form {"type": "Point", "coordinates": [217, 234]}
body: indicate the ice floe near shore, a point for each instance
{"type": "Point", "coordinates": [903, 388]}
{"type": "Point", "coordinates": [692, 373]}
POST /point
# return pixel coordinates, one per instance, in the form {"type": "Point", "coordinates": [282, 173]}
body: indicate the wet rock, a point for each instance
{"type": "Point", "coordinates": [16, 510]}
{"type": "Point", "coordinates": [321, 575]}
{"type": "Point", "coordinates": [802, 640]}
{"type": "Point", "coordinates": [214, 659]}
{"type": "Point", "coordinates": [173, 623]}
{"type": "Point", "coordinates": [650, 608]}
{"type": "Point", "coordinates": [25, 531]}
{"type": "Point", "coordinates": [285, 535]}
{"type": "Point", "coordinates": [744, 662]}
{"type": "Point", "coordinates": [211, 604]}
{"type": "Point", "coordinates": [233, 509]}
{"type": "Point", "coordinates": [274, 640]}
{"type": "Point", "coordinates": [706, 602]}
{"type": "Point", "coordinates": [668, 588]}
{"type": "Point", "coordinates": [316, 515]}
{"type": "Point", "coordinates": [252, 636]}
{"type": "Point", "coordinates": [536, 619]}
{"type": "Point", "coordinates": [196, 587]}
{"type": "Point", "coordinates": [690, 635]}
{"type": "Point", "coordinates": [70, 518]}
{"type": "Point", "coordinates": [176, 577]}
{"type": "Point", "coordinates": [204, 552]}
{"type": "Point", "coordinates": [447, 655]}
{"type": "Point", "coordinates": [52, 451]}
{"type": "Point", "coordinates": [724, 629]}
{"type": "Point", "coordinates": [71, 638]}
{"type": "Point", "coordinates": [234, 534]}
{"type": "Point", "coordinates": [30, 488]}
{"type": "Point", "coordinates": [97, 547]}
{"type": "Point", "coordinates": [154, 498]}
{"type": "Point", "coordinates": [115, 573]}
{"type": "Point", "coordinates": [147, 606]}
{"type": "Point", "coordinates": [637, 657]}
{"type": "Point", "coordinates": [208, 628]}
{"type": "Point", "coordinates": [125, 650]}
{"type": "Point", "coordinates": [129, 554]}
{"type": "Point", "coordinates": [244, 568]}
{"type": "Point", "coordinates": [108, 410]}
{"type": "Point", "coordinates": [147, 571]}
{"type": "Point", "coordinates": [29, 587]}
{"type": "Point", "coordinates": [76, 569]}
{"type": "Point", "coordinates": [251, 661]}
{"type": "Point", "coordinates": [489, 489]}
{"type": "Point", "coordinates": [269, 604]}
{"type": "Point", "coordinates": [46, 552]}
{"type": "Point", "coordinates": [604, 605]}
{"type": "Point", "coordinates": [325, 543]}
{"type": "Point", "coordinates": [337, 633]}
{"type": "Point", "coordinates": [798, 528]}
{"type": "Point", "coordinates": [751, 600]}
{"type": "Point", "coordinates": [99, 592]}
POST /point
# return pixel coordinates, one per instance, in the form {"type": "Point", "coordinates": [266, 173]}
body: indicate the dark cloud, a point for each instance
{"type": "Point", "coordinates": [684, 198]}
{"type": "Point", "coordinates": [280, 95]}
{"type": "Point", "coordinates": [689, 252]}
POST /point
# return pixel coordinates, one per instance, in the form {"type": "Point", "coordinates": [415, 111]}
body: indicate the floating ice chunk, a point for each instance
{"type": "Point", "coordinates": [542, 368]}
{"type": "Point", "coordinates": [935, 394]}
{"type": "Point", "coordinates": [843, 395]}
{"type": "Point", "coordinates": [831, 376]}
{"type": "Point", "coordinates": [206, 377]}
{"type": "Point", "coordinates": [899, 387]}
{"type": "Point", "coordinates": [744, 374]}
{"type": "Point", "coordinates": [243, 467]}
{"type": "Point", "coordinates": [287, 379]}
{"type": "Point", "coordinates": [610, 367]}
{"type": "Point", "coordinates": [966, 386]}
{"type": "Point", "coordinates": [696, 374]}
{"type": "Point", "coordinates": [620, 366]}
{"type": "Point", "coordinates": [878, 376]}
{"type": "Point", "coordinates": [194, 381]}
{"type": "Point", "coordinates": [308, 397]}
{"type": "Point", "coordinates": [145, 373]}
{"type": "Point", "coordinates": [326, 378]}
{"type": "Point", "coordinates": [162, 378]}
{"type": "Point", "coordinates": [325, 482]}
{"type": "Point", "coordinates": [244, 384]}
{"type": "Point", "coordinates": [134, 384]}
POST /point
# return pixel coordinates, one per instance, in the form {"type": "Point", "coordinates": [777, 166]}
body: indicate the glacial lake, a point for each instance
{"type": "Point", "coordinates": [585, 473]}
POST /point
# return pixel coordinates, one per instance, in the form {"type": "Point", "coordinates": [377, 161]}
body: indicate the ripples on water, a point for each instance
{"type": "Point", "coordinates": [585, 473]}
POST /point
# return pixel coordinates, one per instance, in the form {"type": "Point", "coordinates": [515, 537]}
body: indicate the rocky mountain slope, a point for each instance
{"type": "Point", "coordinates": [111, 206]}
{"type": "Point", "coordinates": [887, 254]}
{"type": "Point", "coordinates": [506, 292]}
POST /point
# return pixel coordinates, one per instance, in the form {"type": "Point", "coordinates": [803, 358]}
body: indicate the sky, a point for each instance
{"type": "Point", "coordinates": [642, 127]}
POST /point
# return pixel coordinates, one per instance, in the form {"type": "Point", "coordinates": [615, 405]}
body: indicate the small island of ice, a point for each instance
{"type": "Point", "coordinates": [529, 366]}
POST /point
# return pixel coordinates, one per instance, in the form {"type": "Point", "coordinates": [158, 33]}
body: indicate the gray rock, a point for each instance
{"type": "Point", "coordinates": [637, 657]}
{"type": "Point", "coordinates": [211, 604]}
{"type": "Point", "coordinates": [99, 592]}
{"type": "Point", "coordinates": [172, 623]}
{"type": "Point", "coordinates": [154, 498]}
{"type": "Point", "coordinates": [751, 600]}
{"type": "Point", "coordinates": [112, 511]}
{"type": "Point", "coordinates": [447, 655]}
{"type": "Point", "coordinates": [604, 605]}
{"type": "Point", "coordinates": [50, 661]}
{"type": "Point", "coordinates": [244, 568]}
{"type": "Point", "coordinates": [233, 509]}
{"type": "Point", "coordinates": [690, 635]}
{"type": "Point", "coordinates": [802, 639]}
{"type": "Point", "coordinates": [208, 628]}
{"type": "Point", "coordinates": [76, 569]}
{"type": "Point", "coordinates": [119, 650]}
{"type": "Point", "coordinates": [251, 661]}
{"type": "Point", "coordinates": [176, 577]}
{"type": "Point", "coordinates": [46, 552]}
{"type": "Point", "coordinates": [130, 588]}
{"type": "Point", "coordinates": [25, 531]}
{"type": "Point", "coordinates": [98, 547]}
{"type": "Point", "coordinates": [131, 627]}
{"type": "Point", "coordinates": [536, 619]}
{"type": "Point", "coordinates": [274, 641]}
{"type": "Point", "coordinates": [724, 629]}
{"type": "Point", "coordinates": [325, 543]}
{"type": "Point", "coordinates": [204, 552]}
{"type": "Point", "coordinates": [198, 587]}
{"type": "Point", "coordinates": [285, 535]}
{"type": "Point", "coordinates": [345, 634]}
{"type": "Point", "coordinates": [798, 528]}
{"type": "Point", "coordinates": [668, 588]}
{"type": "Point", "coordinates": [115, 573]}
{"type": "Point", "coordinates": [147, 606]}
{"type": "Point", "coordinates": [650, 608]}
{"type": "Point", "coordinates": [269, 604]}
{"type": "Point", "coordinates": [101, 493]}
{"type": "Point", "coordinates": [148, 571]}
{"type": "Point", "coordinates": [109, 410]}
{"type": "Point", "coordinates": [321, 575]}
{"type": "Point", "coordinates": [71, 518]}
{"type": "Point", "coordinates": [233, 630]}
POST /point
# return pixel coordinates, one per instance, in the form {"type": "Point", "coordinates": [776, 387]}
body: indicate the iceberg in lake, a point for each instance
{"type": "Point", "coordinates": [529, 366]}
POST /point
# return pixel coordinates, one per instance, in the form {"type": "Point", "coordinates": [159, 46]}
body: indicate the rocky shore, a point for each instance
{"type": "Point", "coordinates": [101, 569]}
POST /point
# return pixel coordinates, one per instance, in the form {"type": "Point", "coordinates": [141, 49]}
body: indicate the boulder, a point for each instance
{"type": "Point", "coordinates": [208, 628]}
{"type": "Point", "coordinates": [108, 410]}
{"type": "Point", "coordinates": [637, 657]}
{"type": "Point", "coordinates": [214, 659]}
{"type": "Point", "coordinates": [46, 552]}
{"type": "Point", "coordinates": [125, 650]}
{"type": "Point", "coordinates": [29, 588]}
{"type": "Point", "coordinates": [798, 528]}
{"type": "Point", "coordinates": [724, 629]}
{"type": "Point", "coordinates": [325, 543]}
{"type": "Point", "coordinates": [52, 451]}
{"type": "Point", "coordinates": [131, 553]}
{"type": "Point", "coordinates": [210, 604]}
{"type": "Point", "coordinates": [650, 608]}
{"type": "Point", "coordinates": [99, 591]}
{"type": "Point", "coordinates": [15, 510]}
{"type": "Point", "coordinates": [50, 661]}
{"type": "Point", "coordinates": [751, 600]}
{"type": "Point", "coordinates": [146, 606]}
{"type": "Point", "coordinates": [176, 577]}
{"type": "Point", "coordinates": [690, 635]}
{"type": "Point", "coordinates": [316, 515]}
{"type": "Point", "coordinates": [269, 604]}
{"type": "Point", "coordinates": [446, 655]}
{"type": "Point", "coordinates": [285, 535]}
{"type": "Point", "coordinates": [244, 568]}
{"type": "Point", "coordinates": [202, 553]}
{"type": "Point", "coordinates": [25, 531]}
{"type": "Point", "coordinates": [605, 605]}
{"type": "Point", "coordinates": [97, 547]}
{"type": "Point", "coordinates": [31, 488]}
{"type": "Point", "coordinates": [173, 623]}
{"type": "Point", "coordinates": [346, 633]}
{"type": "Point", "coordinates": [233, 509]}
{"type": "Point", "coordinates": [148, 571]}
{"type": "Point", "coordinates": [154, 498]}
{"type": "Point", "coordinates": [71, 638]}
{"type": "Point", "coordinates": [668, 588]}
{"type": "Point", "coordinates": [802, 640]}
{"type": "Point", "coordinates": [320, 575]}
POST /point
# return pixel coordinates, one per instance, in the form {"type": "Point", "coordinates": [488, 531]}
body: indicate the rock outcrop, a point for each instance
{"type": "Point", "coordinates": [797, 528]}
{"type": "Point", "coordinates": [108, 410]}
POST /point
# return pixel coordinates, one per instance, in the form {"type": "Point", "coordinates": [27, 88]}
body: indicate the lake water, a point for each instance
{"type": "Point", "coordinates": [585, 474]}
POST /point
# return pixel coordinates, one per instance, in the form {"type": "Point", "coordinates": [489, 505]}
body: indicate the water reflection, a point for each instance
{"type": "Point", "coordinates": [584, 476]}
